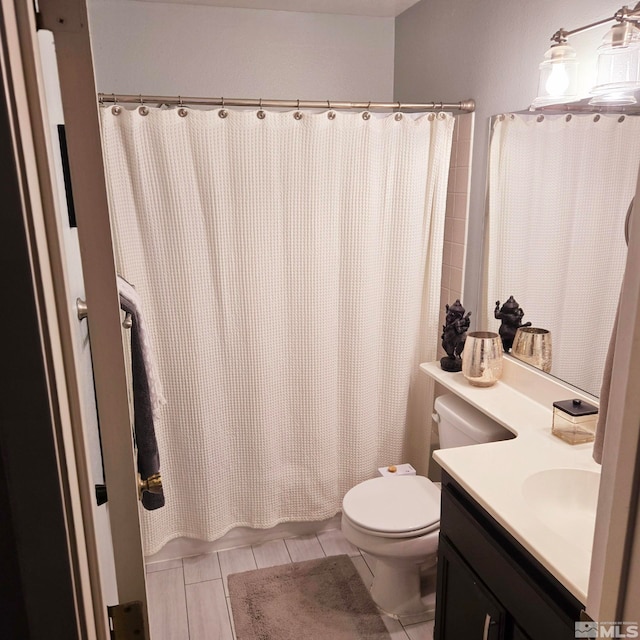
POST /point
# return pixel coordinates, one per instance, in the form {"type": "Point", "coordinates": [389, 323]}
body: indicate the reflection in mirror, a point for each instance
{"type": "Point", "coordinates": [559, 190]}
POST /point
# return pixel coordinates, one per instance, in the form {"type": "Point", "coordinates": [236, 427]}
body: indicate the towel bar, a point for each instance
{"type": "Point", "coordinates": [83, 312]}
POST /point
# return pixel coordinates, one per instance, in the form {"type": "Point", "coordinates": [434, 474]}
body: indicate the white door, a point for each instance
{"type": "Point", "coordinates": [67, 19]}
{"type": "Point", "coordinates": [79, 329]}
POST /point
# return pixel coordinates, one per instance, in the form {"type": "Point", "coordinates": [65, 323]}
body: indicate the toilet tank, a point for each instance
{"type": "Point", "coordinates": [460, 424]}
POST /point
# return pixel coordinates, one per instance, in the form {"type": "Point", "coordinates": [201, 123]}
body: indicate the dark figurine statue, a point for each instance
{"type": "Point", "coordinates": [453, 336]}
{"type": "Point", "coordinates": [511, 315]}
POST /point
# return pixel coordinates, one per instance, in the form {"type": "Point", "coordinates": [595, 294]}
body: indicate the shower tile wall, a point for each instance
{"type": "Point", "coordinates": [455, 228]}
{"type": "Point", "coordinates": [455, 241]}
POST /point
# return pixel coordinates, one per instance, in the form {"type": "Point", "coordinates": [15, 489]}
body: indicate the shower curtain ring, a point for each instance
{"type": "Point", "coordinates": [142, 109]}
{"type": "Point", "coordinates": [398, 116]}
{"type": "Point", "coordinates": [182, 112]}
{"type": "Point", "coordinates": [116, 109]}
{"type": "Point", "coordinates": [261, 114]}
{"type": "Point", "coordinates": [223, 112]}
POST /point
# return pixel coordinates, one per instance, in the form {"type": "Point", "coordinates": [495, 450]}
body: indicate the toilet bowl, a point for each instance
{"type": "Point", "coordinates": [396, 520]}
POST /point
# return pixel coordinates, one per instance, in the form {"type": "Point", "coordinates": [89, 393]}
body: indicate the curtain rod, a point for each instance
{"type": "Point", "coordinates": [464, 105]}
{"type": "Point", "coordinates": [583, 106]}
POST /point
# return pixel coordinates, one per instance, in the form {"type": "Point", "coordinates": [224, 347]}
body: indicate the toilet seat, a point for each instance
{"type": "Point", "coordinates": [396, 507]}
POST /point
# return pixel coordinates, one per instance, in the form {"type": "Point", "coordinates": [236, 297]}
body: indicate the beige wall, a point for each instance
{"type": "Point", "coordinates": [197, 50]}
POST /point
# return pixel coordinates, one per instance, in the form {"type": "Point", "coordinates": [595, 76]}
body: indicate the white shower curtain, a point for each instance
{"type": "Point", "coordinates": [559, 190]}
{"type": "Point", "coordinates": [290, 271]}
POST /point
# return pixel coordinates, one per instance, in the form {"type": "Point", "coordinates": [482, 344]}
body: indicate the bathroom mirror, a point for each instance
{"type": "Point", "coordinates": [559, 190]}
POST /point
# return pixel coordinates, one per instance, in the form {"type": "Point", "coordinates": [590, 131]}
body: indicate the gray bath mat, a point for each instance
{"type": "Point", "coordinates": [316, 600]}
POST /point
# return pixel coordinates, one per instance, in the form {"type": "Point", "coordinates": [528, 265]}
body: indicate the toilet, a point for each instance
{"type": "Point", "coordinates": [396, 520]}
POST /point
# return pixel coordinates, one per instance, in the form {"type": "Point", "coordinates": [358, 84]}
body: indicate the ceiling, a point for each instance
{"type": "Point", "coordinates": [379, 8]}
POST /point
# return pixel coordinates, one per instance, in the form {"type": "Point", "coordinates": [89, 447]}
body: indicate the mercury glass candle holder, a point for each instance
{"type": "Point", "coordinates": [482, 358]}
{"type": "Point", "coordinates": [533, 346]}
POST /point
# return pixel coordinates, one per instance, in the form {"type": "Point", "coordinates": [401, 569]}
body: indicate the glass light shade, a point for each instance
{"type": "Point", "coordinates": [558, 76]}
{"type": "Point", "coordinates": [618, 66]}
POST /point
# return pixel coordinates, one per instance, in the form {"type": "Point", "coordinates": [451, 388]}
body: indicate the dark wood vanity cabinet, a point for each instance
{"type": "Point", "coordinates": [489, 586]}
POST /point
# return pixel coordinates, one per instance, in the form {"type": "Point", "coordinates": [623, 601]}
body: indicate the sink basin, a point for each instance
{"type": "Point", "coordinates": [565, 500]}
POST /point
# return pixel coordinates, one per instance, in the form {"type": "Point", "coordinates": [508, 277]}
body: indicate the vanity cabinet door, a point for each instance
{"type": "Point", "coordinates": [468, 609]}
{"type": "Point", "coordinates": [537, 606]}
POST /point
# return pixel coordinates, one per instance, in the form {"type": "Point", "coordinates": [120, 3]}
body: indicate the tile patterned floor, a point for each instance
{"type": "Point", "coordinates": [189, 599]}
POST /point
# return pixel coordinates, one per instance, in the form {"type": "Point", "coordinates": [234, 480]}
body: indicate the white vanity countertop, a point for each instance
{"type": "Point", "coordinates": [494, 473]}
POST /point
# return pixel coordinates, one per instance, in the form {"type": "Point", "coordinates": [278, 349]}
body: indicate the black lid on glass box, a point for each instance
{"type": "Point", "coordinates": [576, 407]}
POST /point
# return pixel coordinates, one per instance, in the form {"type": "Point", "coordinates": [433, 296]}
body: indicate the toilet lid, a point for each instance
{"type": "Point", "coordinates": [395, 505]}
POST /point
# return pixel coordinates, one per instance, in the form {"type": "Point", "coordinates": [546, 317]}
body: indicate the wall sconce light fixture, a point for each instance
{"type": "Point", "coordinates": [618, 64]}
{"type": "Point", "coordinates": [558, 76]}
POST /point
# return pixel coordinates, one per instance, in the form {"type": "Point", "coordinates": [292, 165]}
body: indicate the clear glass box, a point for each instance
{"type": "Point", "coordinates": [574, 421]}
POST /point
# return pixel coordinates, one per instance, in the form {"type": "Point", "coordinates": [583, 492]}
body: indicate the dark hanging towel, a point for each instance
{"type": "Point", "coordinates": [144, 425]}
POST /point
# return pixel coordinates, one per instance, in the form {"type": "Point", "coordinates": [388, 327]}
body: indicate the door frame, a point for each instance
{"type": "Point", "coordinates": [614, 583]}
{"type": "Point", "coordinates": [68, 21]}
{"type": "Point", "coordinates": [40, 455]}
